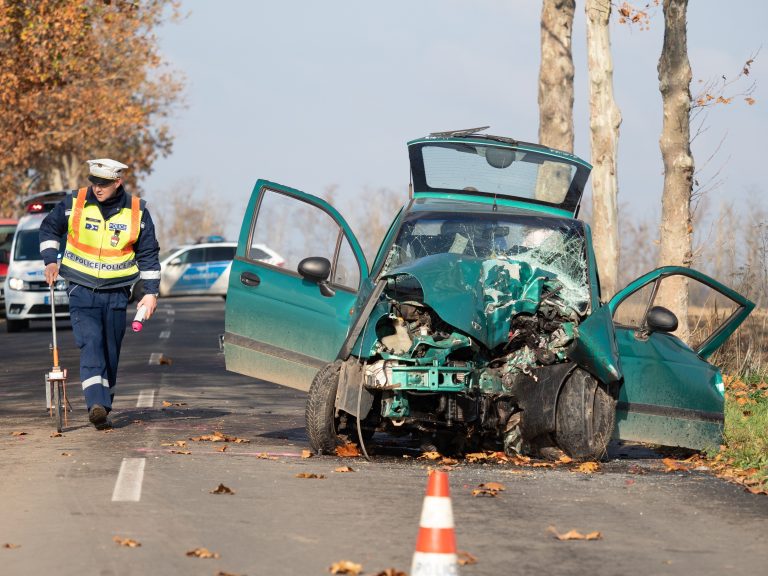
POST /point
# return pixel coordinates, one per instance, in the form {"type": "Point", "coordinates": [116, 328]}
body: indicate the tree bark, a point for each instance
{"type": "Point", "coordinates": [556, 75]}
{"type": "Point", "coordinates": [604, 122]}
{"type": "Point", "coordinates": [676, 228]}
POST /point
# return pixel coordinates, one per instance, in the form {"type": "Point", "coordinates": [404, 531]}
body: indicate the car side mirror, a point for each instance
{"type": "Point", "coordinates": [175, 262]}
{"type": "Point", "coordinates": [660, 319]}
{"type": "Point", "coordinates": [317, 269]}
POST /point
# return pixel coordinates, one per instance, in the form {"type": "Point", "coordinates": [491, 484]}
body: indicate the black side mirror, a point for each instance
{"type": "Point", "coordinates": [317, 269]}
{"type": "Point", "coordinates": [660, 319]}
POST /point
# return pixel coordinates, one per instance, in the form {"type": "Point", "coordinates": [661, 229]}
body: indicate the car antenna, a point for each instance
{"type": "Point", "coordinates": [495, 206]}
{"type": "Point", "coordinates": [410, 185]}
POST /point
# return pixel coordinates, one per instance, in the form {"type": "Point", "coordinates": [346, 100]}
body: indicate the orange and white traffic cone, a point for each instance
{"type": "Point", "coordinates": [436, 544]}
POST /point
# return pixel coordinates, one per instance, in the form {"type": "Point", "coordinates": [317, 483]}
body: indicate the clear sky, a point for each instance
{"type": "Point", "coordinates": [312, 94]}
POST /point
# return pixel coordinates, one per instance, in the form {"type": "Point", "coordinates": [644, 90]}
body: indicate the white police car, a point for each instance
{"type": "Point", "coordinates": [27, 295]}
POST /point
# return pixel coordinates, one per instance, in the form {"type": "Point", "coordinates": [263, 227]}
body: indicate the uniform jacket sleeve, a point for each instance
{"type": "Point", "coordinates": [147, 250]}
{"type": "Point", "coordinates": [53, 231]}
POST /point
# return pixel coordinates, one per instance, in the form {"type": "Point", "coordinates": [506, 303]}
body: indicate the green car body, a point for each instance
{"type": "Point", "coordinates": [479, 322]}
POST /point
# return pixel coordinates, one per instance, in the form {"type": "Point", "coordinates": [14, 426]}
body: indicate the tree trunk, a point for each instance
{"type": "Point", "coordinates": [555, 90]}
{"type": "Point", "coordinates": [676, 228]}
{"type": "Point", "coordinates": [604, 122]}
{"type": "Point", "coordinates": [556, 75]}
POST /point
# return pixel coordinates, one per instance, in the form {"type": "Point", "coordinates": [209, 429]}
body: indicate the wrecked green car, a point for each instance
{"type": "Point", "coordinates": [480, 323]}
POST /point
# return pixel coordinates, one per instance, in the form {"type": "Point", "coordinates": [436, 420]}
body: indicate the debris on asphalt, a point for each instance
{"type": "Point", "coordinates": [221, 489]}
{"type": "Point", "coordinates": [202, 553]}
{"type": "Point", "coordinates": [345, 567]}
{"type": "Point", "coordinates": [575, 535]}
{"type": "Point", "coordinates": [126, 542]}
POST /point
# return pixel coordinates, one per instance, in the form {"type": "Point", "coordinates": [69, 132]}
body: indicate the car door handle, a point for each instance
{"type": "Point", "coordinates": [250, 279]}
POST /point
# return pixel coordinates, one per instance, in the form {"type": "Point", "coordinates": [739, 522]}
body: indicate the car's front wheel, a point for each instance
{"type": "Point", "coordinates": [320, 414]}
{"type": "Point", "coordinates": [586, 413]}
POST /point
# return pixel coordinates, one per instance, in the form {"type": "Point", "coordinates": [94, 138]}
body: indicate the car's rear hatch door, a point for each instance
{"type": "Point", "coordinates": [497, 169]}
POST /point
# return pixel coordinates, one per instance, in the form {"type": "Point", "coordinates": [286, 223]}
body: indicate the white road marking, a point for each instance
{"type": "Point", "coordinates": [128, 485]}
{"type": "Point", "coordinates": [165, 334]}
{"type": "Point", "coordinates": [146, 399]}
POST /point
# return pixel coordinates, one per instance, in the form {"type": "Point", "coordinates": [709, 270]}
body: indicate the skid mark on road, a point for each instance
{"type": "Point", "coordinates": [146, 399]}
{"type": "Point", "coordinates": [129, 480]}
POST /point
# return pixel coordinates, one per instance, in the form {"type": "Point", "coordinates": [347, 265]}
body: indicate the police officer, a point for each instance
{"type": "Point", "coordinates": [110, 243]}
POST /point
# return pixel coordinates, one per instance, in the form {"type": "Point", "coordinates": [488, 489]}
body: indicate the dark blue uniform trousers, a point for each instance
{"type": "Point", "coordinates": [98, 322]}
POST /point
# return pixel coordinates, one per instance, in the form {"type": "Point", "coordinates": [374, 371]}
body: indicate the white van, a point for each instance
{"type": "Point", "coordinates": [27, 295]}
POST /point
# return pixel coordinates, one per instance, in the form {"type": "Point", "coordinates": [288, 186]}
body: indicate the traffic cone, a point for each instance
{"type": "Point", "coordinates": [436, 544]}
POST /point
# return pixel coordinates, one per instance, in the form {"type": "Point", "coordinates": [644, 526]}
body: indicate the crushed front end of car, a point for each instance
{"type": "Point", "coordinates": [474, 338]}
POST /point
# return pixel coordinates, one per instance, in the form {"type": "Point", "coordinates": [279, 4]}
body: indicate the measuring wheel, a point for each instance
{"type": "Point", "coordinates": [56, 381]}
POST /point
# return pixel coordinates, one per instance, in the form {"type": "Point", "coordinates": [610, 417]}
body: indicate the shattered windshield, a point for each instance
{"type": "Point", "coordinates": [553, 246]}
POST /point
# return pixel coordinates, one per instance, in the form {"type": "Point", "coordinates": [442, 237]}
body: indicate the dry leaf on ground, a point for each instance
{"type": "Point", "coordinates": [306, 453]}
{"type": "Point", "coordinates": [181, 443]}
{"type": "Point", "coordinates": [587, 468]}
{"type": "Point", "coordinates": [126, 542]}
{"type": "Point", "coordinates": [430, 456]}
{"type": "Point", "coordinates": [66, 454]}
{"type": "Point", "coordinates": [675, 465]}
{"type": "Point", "coordinates": [265, 456]}
{"type": "Point", "coordinates": [343, 469]}
{"type": "Point", "coordinates": [222, 449]}
{"type": "Point", "coordinates": [18, 433]}
{"type": "Point", "coordinates": [10, 546]}
{"type": "Point", "coordinates": [449, 462]}
{"type": "Point", "coordinates": [222, 573]}
{"type": "Point", "coordinates": [391, 572]}
{"type": "Point", "coordinates": [56, 434]}
{"type": "Point", "coordinates": [167, 404]}
{"type": "Point", "coordinates": [476, 457]}
{"type": "Point", "coordinates": [465, 558]}
{"type": "Point", "coordinates": [183, 452]}
{"type": "Point", "coordinates": [489, 489]}
{"type": "Point", "coordinates": [310, 475]}
{"type": "Point", "coordinates": [202, 553]}
{"type": "Point", "coordinates": [575, 535]}
{"type": "Point", "coordinates": [219, 436]}
{"type": "Point", "coordinates": [350, 449]}
{"type": "Point", "coordinates": [221, 489]}
{"type": "Point", "coordinates": [345, 567]}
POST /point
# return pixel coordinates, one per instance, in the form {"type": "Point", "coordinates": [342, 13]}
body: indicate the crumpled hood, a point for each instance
{"type": "Point", "coordinates": [478, 296]}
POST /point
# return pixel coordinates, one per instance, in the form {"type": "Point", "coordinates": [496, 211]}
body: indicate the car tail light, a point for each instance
{"type": "Point", "coordinates": [35, 207]}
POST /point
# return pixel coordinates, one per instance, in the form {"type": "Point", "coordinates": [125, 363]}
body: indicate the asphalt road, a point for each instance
{"type": "Point", "coordinates": [64, 499]}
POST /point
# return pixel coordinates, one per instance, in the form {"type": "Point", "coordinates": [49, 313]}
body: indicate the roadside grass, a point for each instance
{"type": "Point", "coordinates": [743, 458]}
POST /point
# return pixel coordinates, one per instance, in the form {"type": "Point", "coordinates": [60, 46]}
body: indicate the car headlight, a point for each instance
{"type": "Point", "coordinates": [15, 283]}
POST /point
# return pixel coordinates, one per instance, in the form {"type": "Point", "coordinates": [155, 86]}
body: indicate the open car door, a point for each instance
{"type": "Point", "coordinates": [671, 395]}
{"type": "Point", "coordinates": [283, 323]}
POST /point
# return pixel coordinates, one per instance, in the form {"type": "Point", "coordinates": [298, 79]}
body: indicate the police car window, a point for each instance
{"type": "Point", "coordinates": [218, 253]}
{"type": "Point", "coordinates": [258, 254]}
{"type": "Point", "coordinates": [27, 245]}
{"type": "Point", "coordinates": [194, 256]}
